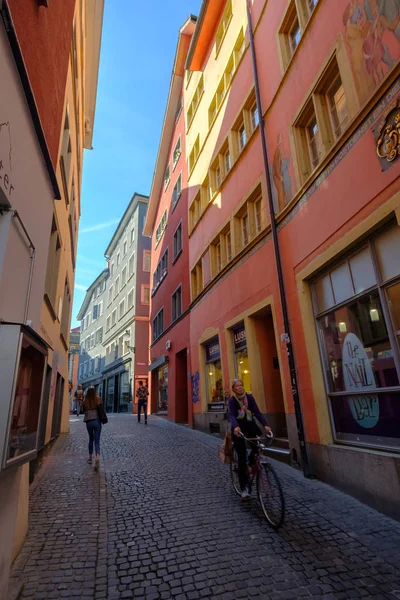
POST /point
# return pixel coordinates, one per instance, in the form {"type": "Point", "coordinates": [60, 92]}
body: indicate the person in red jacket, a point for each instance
{"type": "Point", "coordinates": [242, 411]}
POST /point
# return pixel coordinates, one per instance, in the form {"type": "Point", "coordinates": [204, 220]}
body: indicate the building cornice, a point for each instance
{"type": "Point", "coordinates": [210, 13]}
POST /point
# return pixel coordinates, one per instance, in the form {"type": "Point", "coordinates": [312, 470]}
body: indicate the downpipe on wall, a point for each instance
{"type": "Point", "coordinates": [285, 337]}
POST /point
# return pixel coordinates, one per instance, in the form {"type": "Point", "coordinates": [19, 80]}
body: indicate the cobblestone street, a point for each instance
{"type": "Point", "coordinates": [161, 520]}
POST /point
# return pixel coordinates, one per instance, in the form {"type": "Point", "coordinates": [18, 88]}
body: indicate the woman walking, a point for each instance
{"type": "Point", "coordinates": [93, 408]}
{"type": "Point", "coordinates": [242, 409]}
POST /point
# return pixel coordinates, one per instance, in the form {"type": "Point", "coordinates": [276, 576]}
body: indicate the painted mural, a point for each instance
{"type": "Point", "coordinates": [372, 33]}
{"type": "Point", "coordinates": [282, 188]}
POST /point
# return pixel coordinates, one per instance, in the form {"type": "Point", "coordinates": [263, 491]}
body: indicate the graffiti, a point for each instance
{"type": "Point", "coordinates": [196, 387]}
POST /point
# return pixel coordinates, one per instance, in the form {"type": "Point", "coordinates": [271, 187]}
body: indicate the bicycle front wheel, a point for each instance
{"type": "Point", "coordinates": [270, 495]}
{"type": "Point", "coordinates": [234, 465]}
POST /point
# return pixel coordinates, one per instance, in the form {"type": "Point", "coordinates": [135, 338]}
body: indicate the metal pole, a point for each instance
{"type": "Point", "coordinates": [285, 337]}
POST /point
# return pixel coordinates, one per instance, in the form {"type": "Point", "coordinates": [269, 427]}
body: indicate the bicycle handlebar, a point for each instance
{"type": "Point", "coordinates": [269, 435]}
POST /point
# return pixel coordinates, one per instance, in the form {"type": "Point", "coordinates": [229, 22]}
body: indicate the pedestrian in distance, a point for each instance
{"type": "Point", "coordinates": [78, 399]}
{"type": "Point", "coordinates": [94, 418]}
{"type": "Point", "coordinates": [242, 410]}
{"type": "Point", "coordinates": [142, 394]}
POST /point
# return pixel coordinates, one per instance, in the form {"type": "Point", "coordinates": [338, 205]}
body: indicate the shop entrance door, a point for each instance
{"type": "Point", "coordinates": [270, 369]}
{"type": "Point", "coordinates": [181, 388]}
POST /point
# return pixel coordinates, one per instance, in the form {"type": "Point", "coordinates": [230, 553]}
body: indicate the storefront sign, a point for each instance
{"type": "Point", "coordinates": [213, 351]}
{"type": "Point", "coordinates": [239, 338]}
{"type": "Point", "coordinates": [216, 407]}
{"type": "Point", "coordinates": [358, 375]}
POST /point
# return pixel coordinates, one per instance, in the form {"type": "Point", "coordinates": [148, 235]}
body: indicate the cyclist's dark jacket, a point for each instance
{"type": "Point", "coordinates": [234, 407]}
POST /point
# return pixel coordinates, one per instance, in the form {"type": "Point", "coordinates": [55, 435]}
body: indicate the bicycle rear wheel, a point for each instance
{"type": "Point", "coordinates": [270, 494]}
{"type": "Point", "coordinates": [234, 466]}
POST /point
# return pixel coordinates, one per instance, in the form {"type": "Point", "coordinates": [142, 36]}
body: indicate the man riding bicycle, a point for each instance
{"type": "Point", "coordinates": [242, 411]}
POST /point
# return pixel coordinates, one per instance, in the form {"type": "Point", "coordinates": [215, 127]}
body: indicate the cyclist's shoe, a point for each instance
{"type": "Point", "coordinates": [245, 495]}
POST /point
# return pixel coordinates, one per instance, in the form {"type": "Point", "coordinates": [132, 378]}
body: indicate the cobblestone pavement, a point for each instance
{"type": "Point", "coordinates": [161, 521]}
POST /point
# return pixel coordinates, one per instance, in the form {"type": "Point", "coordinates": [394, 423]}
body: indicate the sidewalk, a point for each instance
{"type": "Point", "coordinates": [161, 521]}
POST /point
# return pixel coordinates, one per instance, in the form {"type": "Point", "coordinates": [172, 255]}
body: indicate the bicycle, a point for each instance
{"type": "Point", "coordinates": [269, 488]}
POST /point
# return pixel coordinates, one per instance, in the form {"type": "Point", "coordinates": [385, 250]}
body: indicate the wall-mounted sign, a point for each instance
{"type": "Point", "coordinates": [213, 352]}
{"type": "Point", "coordinates": [358, 376]}
{"type": "Point", "coordinates": [216, 407]}
{"type": "Point", "coordinates": [239, 338]}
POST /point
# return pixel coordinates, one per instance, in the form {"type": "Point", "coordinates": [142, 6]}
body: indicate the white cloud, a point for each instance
{"type": "Point", "coordinates": [99, 226]}
{"type": "Point", "coordinates": [82, 288]}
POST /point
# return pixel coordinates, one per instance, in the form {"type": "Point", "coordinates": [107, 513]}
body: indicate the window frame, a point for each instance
{"type": "Point", "coordinates": [174, 316]}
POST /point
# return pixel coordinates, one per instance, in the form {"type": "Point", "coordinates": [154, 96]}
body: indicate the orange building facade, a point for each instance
{"type": "Point", "coordinates": [330, 101]}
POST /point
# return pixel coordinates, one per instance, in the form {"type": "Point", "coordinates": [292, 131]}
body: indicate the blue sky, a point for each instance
{"type": "Point", "coordinates": [138, 47]}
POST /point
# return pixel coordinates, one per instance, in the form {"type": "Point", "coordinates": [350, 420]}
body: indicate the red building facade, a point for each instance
{"type": "Point", "coordinates": [167, 223]}
{"type": "Point", "coordinates": [329, 108]}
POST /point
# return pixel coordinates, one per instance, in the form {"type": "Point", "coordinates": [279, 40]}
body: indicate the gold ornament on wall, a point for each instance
{"type": "Point", "coordinates": [388, 144]}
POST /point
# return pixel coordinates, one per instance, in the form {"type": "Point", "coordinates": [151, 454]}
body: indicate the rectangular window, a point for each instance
{"type": "Point", "coordinates": [290, 34]}
{"type": "Point", "coordinates": [121, 309]}
{"type": "Point", "coordinates": [108, 325]}
{"type": "Point", "coordinates": [337, 105]}
{"type": "Point", "coordinates": [130, 300]}
{"type": "Point", "coordinates": [217, 177]}
{"type": "Point", "coordinates": [176, 192]}
{"type": "Point", "coordinates": [95, 311]}
{"type": "Point", "coordinates": [118, 259]}
{"type": "Point", "coordinates": [123, 277]}
{"type": "Point", "coordinates": [195, 101]}
{"type": "Point", "coordinates": [245, 229]}
{"type": "Point", "coordinates": [113, 317]}
{"type": "Point", "coordinates": [359, 360]}
{"type": "Point", "coordinates": [131, 266]}
{"type": "Point", "coordinates": [158, 324]}
{"type": "Point", "coordinates": [258, 217]}
{"type": "Point", "coordinates": [116, 287]}
{"type": "Point", "coordinates": [125, 248]}
{"type": "Point", "coordinates": [167, 177]}
{"type": "Point", "coordinates": [177, 303]}
{"type": "Point", "coordinates": [223, 26]}
{"type": "Point", "coordinates": [112, 270]}
{"type": "Point", "coordinates": [145, 294]}
{"type": "Point", "coordinates": [146, 260]}
{"type": "Point", "coordinates": [161, 227]}
{"type": "Point", "coordinates": [53, 265]}
{"type": "Point", "coordinates": [177, 242]}
{"type": "Point", "coordinates": [242, 136]}
{"type": "Point", "coordinates": [254, 117]}
{"type": "Point", "coordinates": [227, 162]}
{"type": "Point", "coordinates": [228, 246]}
{"type": "Point", "coordinates": [194, 154]}
{"type": "Point", "coordinates": [197, 279]}
{"type": "Point", "coordinates": [92, 340]}
{"type": "Point", "coordinates": [177, 152]}
{"type": "Point", "coordinates": [218, 257]}
{"type": "Point", "coordinates": [110, 294]}
{"type": "Point", "coordinates": [132, 236]}
{"type": "Point", "coordinates": [311, 4]}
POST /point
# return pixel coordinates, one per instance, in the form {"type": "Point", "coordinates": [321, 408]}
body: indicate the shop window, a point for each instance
{"type": "Point", "coordinates": [177, 303]}
{"type": "Point", "coordinates": [162, 391]}
{"type": "Point", "coordinates": [214, 381]}
{"type": "Point", "coordinates": [358, 345]}
{"type": "Point", "coordinates": [223, 26]}
{"type": "Point", "coordinates": [176, 192]}
{"type": "Point", "coordinates": [242, 365]}
{"type": "Point", "coordinates": [177, 247]}
{"type": "Point", "coordinates": [158, 324]}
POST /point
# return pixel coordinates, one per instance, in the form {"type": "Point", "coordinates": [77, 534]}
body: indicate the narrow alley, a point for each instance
{"type": "Point", "coordinates": [161, 520]}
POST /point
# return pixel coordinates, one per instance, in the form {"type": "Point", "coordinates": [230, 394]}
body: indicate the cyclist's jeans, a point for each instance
{"type": "Point", "coordinates": [249, 430]}
{"type": "Point", "coordinates": [94, 430]}
{"type": "Point", "coordinates": [141, 405]}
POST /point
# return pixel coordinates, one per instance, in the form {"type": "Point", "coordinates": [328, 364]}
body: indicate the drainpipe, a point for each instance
{"type": "Point", "coordinates": [285, 337]}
